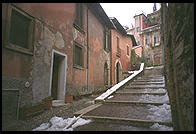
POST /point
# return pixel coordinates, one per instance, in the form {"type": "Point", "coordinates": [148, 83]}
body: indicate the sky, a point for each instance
{"type": "Point", "coordinates": [124, 12]}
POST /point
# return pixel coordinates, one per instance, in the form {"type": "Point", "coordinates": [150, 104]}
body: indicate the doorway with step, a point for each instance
{"type": "Point", "coordinates": [58, 75]}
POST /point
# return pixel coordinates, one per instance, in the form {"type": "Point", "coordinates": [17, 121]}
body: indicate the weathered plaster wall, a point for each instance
{"type": "Point", "coordinates": [98, 56]}
{"type": "Point", "coordinates": [16, 66]}
{"type": "Point", "coordinates": [138, 50]}
{"type": "Point", "coordinates": [150, 50]}
{"type": "Point", "coordinates": [178, 40]}
{"type": "Point", "coordinates": [124, 58]}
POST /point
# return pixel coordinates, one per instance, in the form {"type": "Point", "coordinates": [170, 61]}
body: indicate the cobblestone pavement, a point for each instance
{"type": "Point", "coordinates": [63, 111]}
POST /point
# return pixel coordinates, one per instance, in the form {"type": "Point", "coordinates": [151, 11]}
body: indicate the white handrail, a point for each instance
{"type": "Point", "coordinates": [120, 84]}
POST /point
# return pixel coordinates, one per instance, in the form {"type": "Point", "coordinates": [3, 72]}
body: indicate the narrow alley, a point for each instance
{"type": "Point", "coordinates": [98, 66]}
{"type": "Point", "coordinates": [143, 105]}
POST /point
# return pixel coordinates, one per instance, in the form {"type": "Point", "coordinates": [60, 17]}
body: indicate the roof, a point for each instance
{"type": "Point", "coordinates": [118, 26]}
{"type": "Point", "coordinates": [100, 14]}
{"type": "Point", "coordinates": [139, 15]}
{"type": "Point", "coordinates": [132, 39]}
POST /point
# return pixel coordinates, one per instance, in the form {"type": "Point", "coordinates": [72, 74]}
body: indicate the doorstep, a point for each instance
{"type": "Point", "coordinates": [58, 103]}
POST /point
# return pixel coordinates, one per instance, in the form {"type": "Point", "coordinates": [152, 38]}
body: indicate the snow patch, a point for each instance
{"type": "Point", "coordinates": [160, 90]}
{"type": "Point", "coordinates": [43, 126]}
{"type": "Point", "coordinates": [80, 122]}
{"type": "Point", "coordinates": [158, 127]}
{"type": "Point", "coordinates": [60, 124]}
{"type": "Point", "coordinates": [110, 97]}
{"type": "Point", "coordinates": [90, 102]}
{"type": "Point", "coordinates": [154, 98]}
{"type": "Point", "coordinates": [160, 113]}
{"type": "Point", "coordinates": [149, 67]}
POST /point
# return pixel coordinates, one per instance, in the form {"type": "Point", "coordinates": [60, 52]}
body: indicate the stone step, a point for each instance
{"type": "Point", "coordinates": [152, 79]}
{"type": "Point", "coordinates": [87, 109]}
{"type": "Point", "coordinates": [133, 122]}
{"type": "Point", "coordinates": [137, 111]}
{"type": "Point", "coordinates": [151, 76]}
{"type": "Point", "coordinates": [140, 93]}
{"type": "Point", "coordinates": [144, 87]}
{"type": "Point", "coordinates": [146, 83]}
{"type": "Point", "coordinates": [153, 90]}
{"type": "Point", "coordinates": [58, 103]}
{"type": "Point", "coordinates": [133, 102]}
{"type": "Point", "coordinates": [149, 80]}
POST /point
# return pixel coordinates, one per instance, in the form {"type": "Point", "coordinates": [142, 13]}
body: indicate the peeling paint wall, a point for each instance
{"type": "Point", "coordinates": [98, 56]}
{"type": "Point", "coordinates": [54, 30]}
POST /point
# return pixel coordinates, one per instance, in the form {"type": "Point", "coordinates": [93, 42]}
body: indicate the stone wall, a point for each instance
{"type": "Point", "coordinates": [178, 38]}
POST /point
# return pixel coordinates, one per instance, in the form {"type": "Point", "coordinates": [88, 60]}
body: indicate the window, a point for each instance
{"type": "Point", "coordinates": [128, 50]}
{"type": "Point", "coordinates": [117, 41]}
{"type": "Point", "coordinates": [106, 40]}
{"type": "Point", "coordinates": [138, 43]}
{"type": "Point", "coordinates": [106, 74]}
{"type": "Point", "coordinates": [78, 56]}
{"type": "Point", "coordinates": [138, 29]}
{"type": "Point", "coordinates": [19, 31]}
{"type": "Point", "coordinates": [78, 23]}
{"type": "Point", "coordinates": [147, 40]}
{"type": "Point", "coordinates": [156, 40]}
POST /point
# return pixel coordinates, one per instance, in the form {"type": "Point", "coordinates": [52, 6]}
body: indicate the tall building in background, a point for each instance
{"type": "Point", "coordinates": [147, 35]}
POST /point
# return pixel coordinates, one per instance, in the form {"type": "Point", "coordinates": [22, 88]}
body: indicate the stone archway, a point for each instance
{"type": "Point", "coordinates": [118, 72]}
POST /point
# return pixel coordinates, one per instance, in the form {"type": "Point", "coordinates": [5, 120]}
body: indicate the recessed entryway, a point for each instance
{"type": "Point", "coordinates": [58, 75]}
{"type": "Point", "coordinates": [118, 68]}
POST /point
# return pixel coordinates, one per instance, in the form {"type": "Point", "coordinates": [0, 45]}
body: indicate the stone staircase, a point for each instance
{"type": "Point", "coordinates": [142, 103]}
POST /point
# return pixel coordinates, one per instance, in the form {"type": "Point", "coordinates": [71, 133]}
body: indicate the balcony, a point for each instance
{"type": "Point", "coordinates": [118, 53]}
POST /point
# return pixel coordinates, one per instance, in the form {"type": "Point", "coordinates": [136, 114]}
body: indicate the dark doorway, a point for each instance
{"type": "Point", "coordinates": [106, 74]}
{"type": "Point", "coordinates": [55, 75]}
{"type": "Point", "coordinates": [117, 72]}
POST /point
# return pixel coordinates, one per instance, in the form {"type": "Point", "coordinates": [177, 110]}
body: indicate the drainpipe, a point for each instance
{"type": "Point", "coordinates": [87, 52]}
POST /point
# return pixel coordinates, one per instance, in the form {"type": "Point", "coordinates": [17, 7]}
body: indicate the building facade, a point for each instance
{"type": "Point", "coordinates": [147, 35]}
{"type": "Point", "coordinates": [120, 52]}
{"type": "Point", "coordinates": [59, 49]}
{"type": "Point", "coordinates": [51, 49]}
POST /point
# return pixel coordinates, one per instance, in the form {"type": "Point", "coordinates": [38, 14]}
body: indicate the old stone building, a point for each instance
{"type": "Point", "coordinates": [120, 51]}
{"type": "Point", "coordinates": [59, 50]}
{"type": "Point", "coordinates": [53, 49]}
{"type": "Point", "coordinates": [177, 28]}
{"type": "Point", "coordinates": [147, 35]}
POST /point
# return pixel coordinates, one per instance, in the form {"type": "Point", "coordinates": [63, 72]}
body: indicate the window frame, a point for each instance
{"type": "Point", "coordinates": [118, 42]}
{"type": "Point", "coordinates": [138, 29]}
{"type": "Point", "coordinates": [147, 40]}
{"type": "Point", "coordinates": [156, 40]}
{"type": "Point", "coordinates": [15, 47]}
{"type": "Point", "coordinates": [78, 21]}
{"type": "Point", "coordinates": [128, 50]}
{"type": "Point", "coordinates": [107, 41]}
{"type": "Point", "coordinates": [75, 65]}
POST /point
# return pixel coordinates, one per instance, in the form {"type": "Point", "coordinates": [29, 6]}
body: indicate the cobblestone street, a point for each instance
{"type": "Point", "coordinates": [62, 111]}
